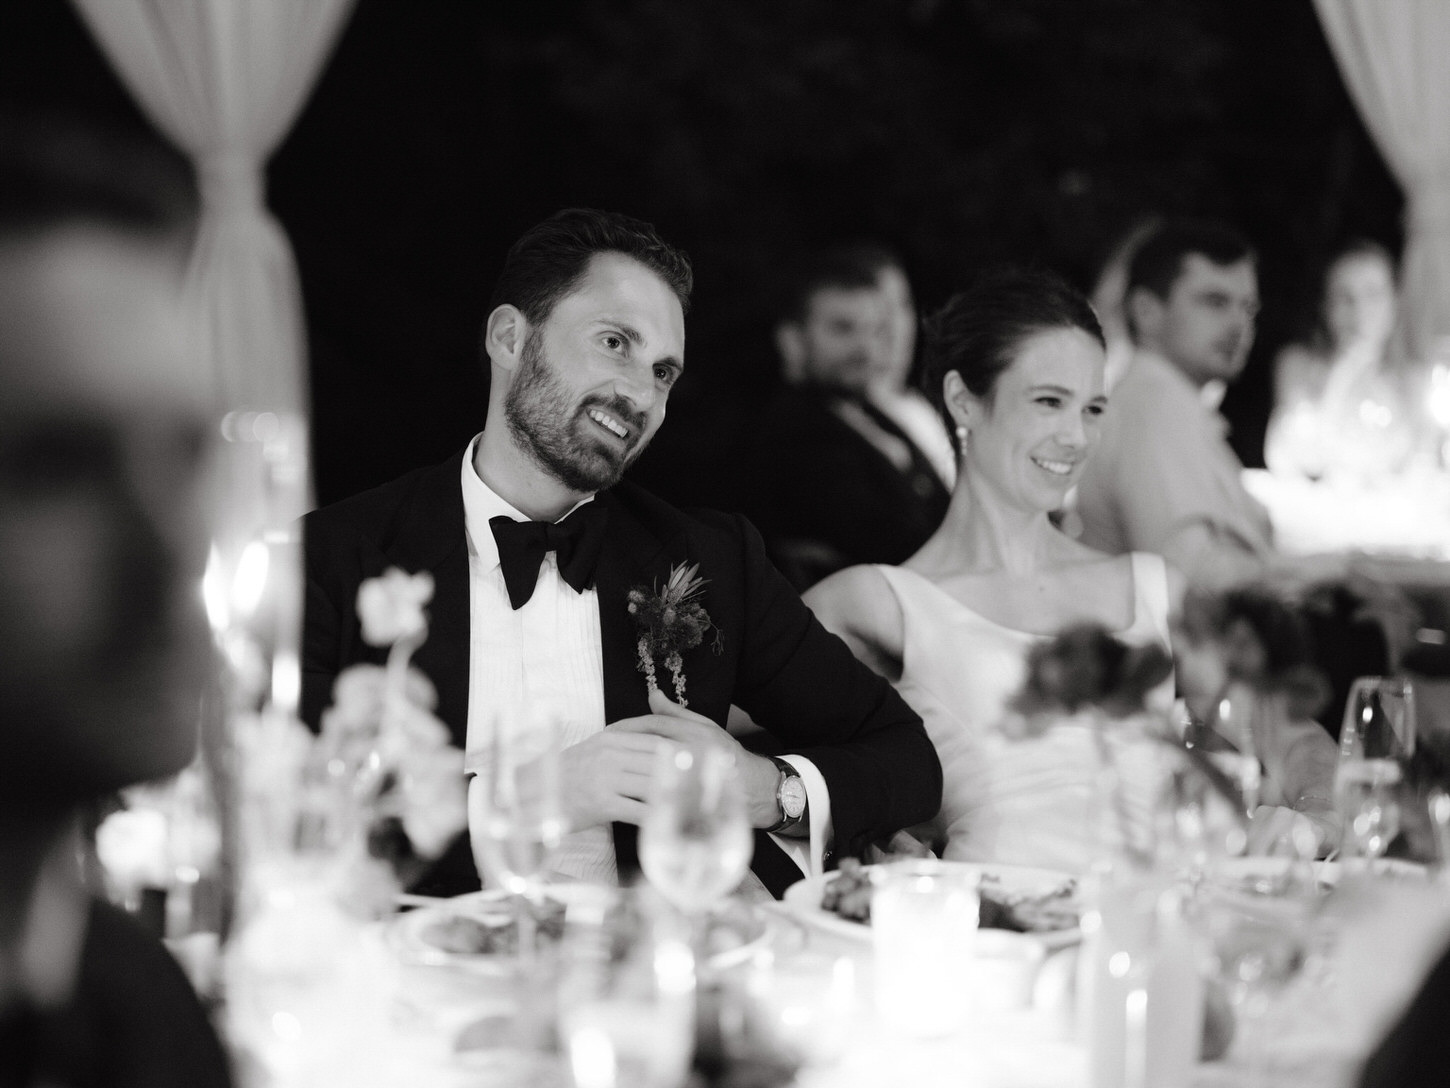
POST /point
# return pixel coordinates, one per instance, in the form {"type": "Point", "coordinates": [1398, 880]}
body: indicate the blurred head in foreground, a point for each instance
{"type": "Point", "coordinates": [103, 422]}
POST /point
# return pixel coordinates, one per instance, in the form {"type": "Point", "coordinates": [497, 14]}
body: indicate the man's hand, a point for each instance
{"type": "Point", "coordinates": [606, 777]}
{"type": "Point", "coordinates": [757, 775]}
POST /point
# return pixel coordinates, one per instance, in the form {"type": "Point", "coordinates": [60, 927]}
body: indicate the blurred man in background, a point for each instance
{"type": "Point", "coordinates": [1164, 478]}
{"type": "Point", "coordinates": [834, 480]}
{"type": "Point", "coordinates": [103, 646]}
{"type": "Point", "coordinates": [890, 387]}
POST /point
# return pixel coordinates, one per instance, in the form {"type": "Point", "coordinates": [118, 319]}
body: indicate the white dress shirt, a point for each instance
{"type": "Point", "coordinates": [545, 661]}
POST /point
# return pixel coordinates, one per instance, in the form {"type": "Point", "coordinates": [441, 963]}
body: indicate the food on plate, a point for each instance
{"type": "Point", "coordinates": [494, 932]}
{"type": "Point", "coordinates": [848, 895]}
{"type": "Point", "coordinates": [1028, 912]}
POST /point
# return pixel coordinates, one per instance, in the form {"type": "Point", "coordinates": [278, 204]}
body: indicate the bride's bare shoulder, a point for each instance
{"type": "Point", "coordinates": [859, 605]}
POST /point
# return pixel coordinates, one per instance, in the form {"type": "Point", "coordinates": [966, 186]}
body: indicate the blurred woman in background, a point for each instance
{"type": "Point", "coordinates": [1339, 410]}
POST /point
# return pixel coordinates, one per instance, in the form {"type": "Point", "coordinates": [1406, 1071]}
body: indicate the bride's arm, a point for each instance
{"type": "Point", "coordinates": [858, 605]}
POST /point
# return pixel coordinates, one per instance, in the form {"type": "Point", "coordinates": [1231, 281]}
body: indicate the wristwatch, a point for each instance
{"type": "Point", "coordinates": [790, 796]}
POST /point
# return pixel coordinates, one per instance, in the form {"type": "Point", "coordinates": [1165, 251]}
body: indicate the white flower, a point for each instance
{"type": "Point", "coordinates": [358, 694]}
{"type": "Point", "coordinates": [434, 803]}
{"type": "Point", "coordinates": [390, 607]}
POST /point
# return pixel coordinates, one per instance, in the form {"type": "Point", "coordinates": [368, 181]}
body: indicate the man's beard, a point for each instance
{"type": "Point", "coordinates": [543, 422]}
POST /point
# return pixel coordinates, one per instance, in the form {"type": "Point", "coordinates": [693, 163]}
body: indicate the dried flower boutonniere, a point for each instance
{"type": "Point", "coordinates": [671, 621]}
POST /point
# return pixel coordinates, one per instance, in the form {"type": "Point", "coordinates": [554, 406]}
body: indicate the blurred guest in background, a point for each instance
{"type": "Point", "coordinates": [1339, 408]}
{"type": "Point", "coordinates": [891, 386]}
{"type": "Point", "coordinates": [1165, 479]}
{"type": "Point", "coordinates": [1110, 296]}
{"type": "Point", "coordinates": [103, 647]}
{"type": "Point", "coordinates": [832, 479]}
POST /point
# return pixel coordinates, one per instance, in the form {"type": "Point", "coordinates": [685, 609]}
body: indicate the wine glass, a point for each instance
{"type": "Point", "coordinates": [1260, 943]}
{"type": "Point", "coordinates": [626, 1004]}
{"type": "Point", "coordinates": [695, 843]}
{"type": "Point", "coordinates": [1376, 741]}
{"type": "Point", "coordinates": [515, 813]}
{"type": "Point", "coordinates": [1379, 719]}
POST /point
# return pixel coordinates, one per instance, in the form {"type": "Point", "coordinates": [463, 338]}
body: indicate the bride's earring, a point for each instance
{"type": "Point", "coordinates": [961, 439]}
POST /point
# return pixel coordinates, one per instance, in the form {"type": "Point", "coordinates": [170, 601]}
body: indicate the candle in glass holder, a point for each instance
{"type": "Point", "coordinates": [924, 921]}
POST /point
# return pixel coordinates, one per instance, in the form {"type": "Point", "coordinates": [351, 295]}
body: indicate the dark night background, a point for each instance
{"type": "Point", "coordinates": [961, 132]}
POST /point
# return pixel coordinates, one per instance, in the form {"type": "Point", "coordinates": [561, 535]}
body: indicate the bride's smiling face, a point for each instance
{"type": "Point", "coordinates": [1030, 439]}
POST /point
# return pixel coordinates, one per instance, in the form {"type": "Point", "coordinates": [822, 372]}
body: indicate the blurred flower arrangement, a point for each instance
{"type": "Point", "coordinates": [1088, 674]}
{"type": "Point", "coordinates": [1250, 635]}
{"type": "Point", "coordinates": [1086, 667]}
{"type": "Point", "coordinates": [383, 753]}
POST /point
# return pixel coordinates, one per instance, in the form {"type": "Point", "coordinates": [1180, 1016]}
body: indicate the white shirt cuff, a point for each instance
{"type": "Point", "coordinates": [809, 854]}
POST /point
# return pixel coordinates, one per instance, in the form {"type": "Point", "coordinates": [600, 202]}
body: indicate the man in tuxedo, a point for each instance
{"type": "Point", "coordinates": [835, 480]}
{"type": "Point", "coordinates": [536, 545]}
{"type": "Point", "coordinates": [103, 645]}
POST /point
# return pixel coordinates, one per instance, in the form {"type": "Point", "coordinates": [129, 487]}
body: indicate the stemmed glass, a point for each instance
{"type": "Point", "coordinates": [515, 813]}
{"type": "Point", "coordinates": [1376, 741]}
{"type": "Point", "coordinates": [695, 843]}
{"type": "Point", "coordinates": [1260, 943]}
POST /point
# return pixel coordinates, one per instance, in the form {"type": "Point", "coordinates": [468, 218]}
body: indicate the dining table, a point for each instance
{"type": "Point", "coordinates": [376, 1015]}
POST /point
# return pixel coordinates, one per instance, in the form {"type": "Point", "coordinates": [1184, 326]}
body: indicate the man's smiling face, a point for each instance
{"type": "Point", "coordinates": [593, 378]}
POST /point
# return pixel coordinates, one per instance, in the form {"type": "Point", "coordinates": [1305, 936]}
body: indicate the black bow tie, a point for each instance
{"type": "Point", "coordinates": [522, 545]}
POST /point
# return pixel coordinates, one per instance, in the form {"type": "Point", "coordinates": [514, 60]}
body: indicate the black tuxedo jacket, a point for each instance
{"type": "Point", "coordinates": [774, 661]}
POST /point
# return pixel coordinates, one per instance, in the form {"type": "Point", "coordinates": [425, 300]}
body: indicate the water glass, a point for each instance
{"type": "Point", "coordinates": [1376, 741]}
{"type": "Point", "coordinates": [923, 926]}
{"type": "Point", "coordinates": [1379, 719]}
{"type": "Point", "coordinates": [695, 843]}
{"type": "Point", "coordinates": [515, 812]}
{"type": "Point", "coordinates": [627, 998]}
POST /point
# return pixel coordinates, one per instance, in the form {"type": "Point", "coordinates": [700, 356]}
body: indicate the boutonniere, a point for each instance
{"type": "Point", "coordinates": [670, 621]}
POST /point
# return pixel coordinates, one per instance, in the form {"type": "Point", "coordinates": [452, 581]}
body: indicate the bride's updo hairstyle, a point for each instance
{"type": "Point", "coordinates": [979, 331]}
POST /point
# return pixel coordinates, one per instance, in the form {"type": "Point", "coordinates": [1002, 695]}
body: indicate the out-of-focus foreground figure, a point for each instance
{"type": "Point", "coordinates": [103, 645]}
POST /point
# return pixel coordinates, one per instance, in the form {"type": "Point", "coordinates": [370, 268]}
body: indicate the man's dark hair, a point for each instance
{"type": "Point", "coordinates": [980, 330]}
{"type": "Point", "coordinates": [56, 170]}
{"type": "Point", "coordinates": [1158, 262]}
{"type": "Point", "coordinates": [550, 259]}
{"type": "Point", "coordinates": [842, 268]}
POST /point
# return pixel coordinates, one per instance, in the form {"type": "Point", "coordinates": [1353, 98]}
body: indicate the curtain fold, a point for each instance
{"type": "Point", "coordinates": [225, 79]}
{"type": "Point", "coordinates": [1392, 55]}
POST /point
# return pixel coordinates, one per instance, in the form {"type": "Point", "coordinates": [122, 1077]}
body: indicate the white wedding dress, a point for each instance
{"type": "Point", "coordinates": [1031, 801]}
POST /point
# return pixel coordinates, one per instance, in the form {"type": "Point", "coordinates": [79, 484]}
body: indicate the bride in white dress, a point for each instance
{"type": "Point", "coordinates": [1016, 365]}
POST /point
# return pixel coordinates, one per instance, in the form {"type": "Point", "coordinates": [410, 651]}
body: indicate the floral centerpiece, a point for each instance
{"type": "Point", "coordinates": [1086, 673]}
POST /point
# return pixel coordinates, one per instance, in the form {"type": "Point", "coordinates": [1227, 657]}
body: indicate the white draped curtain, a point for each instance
{"type": "Point", "coordinates": [1392, 54]}
{"type": "Point", "coordinates": [224, 79]}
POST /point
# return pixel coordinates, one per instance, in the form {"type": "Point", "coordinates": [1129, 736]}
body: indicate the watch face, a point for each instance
{"type": "Point", "coordinates": [792, 797]}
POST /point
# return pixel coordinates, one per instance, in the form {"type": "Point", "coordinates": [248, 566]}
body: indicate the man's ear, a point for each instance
{"type": "Point", "coordinates": [790, 341]}
{"type": "Point", "coordinates": [1144, 310]}
{"type": "Point", "coordinates": [503, 336]}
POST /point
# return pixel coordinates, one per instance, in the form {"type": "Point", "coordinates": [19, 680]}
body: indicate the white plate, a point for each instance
{"type": "Point", "coordinates": [803, 898]}
{"type": "Point", "coordinates": [408, 933]}
{"type": "Point", "coordinates": [1261, 873]}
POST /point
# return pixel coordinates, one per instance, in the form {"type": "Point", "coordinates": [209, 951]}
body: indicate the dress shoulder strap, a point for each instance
{"type": "Point", "coordinates": [1150, 593]}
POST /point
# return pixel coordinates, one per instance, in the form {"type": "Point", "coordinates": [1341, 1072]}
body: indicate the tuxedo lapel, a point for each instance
{"type": "Point", "coordinates": [430, 535]}
{"type": "Point", "coordinates": [631, 557]}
